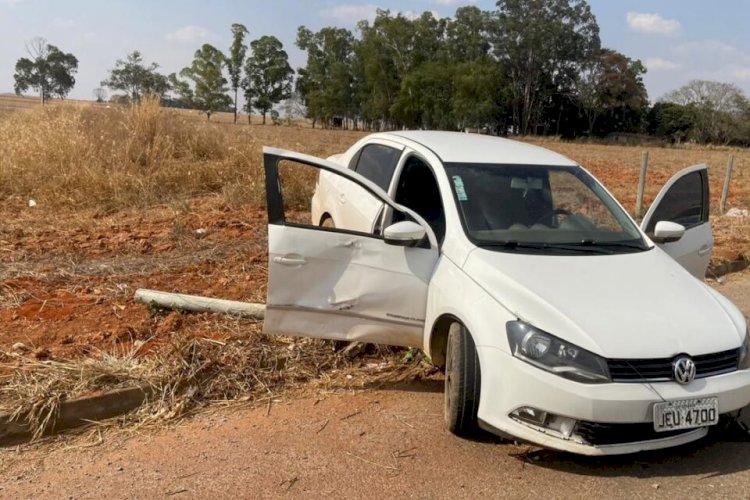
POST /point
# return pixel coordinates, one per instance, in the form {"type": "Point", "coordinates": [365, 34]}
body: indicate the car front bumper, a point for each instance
{"type": "Point", "coordinates": [620, 408]}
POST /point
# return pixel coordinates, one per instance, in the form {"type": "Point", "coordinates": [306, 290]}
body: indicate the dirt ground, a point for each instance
{"type": "Point", "coordinates": [379, 443]}
{"type": "Point", "coordinates": [66, 285]}
{"type": "Point", "coordinates": [67, 279]}
{"type": "Point", "coordinates": [376, 442]}
{"type": "Point", "coordinates": [66, 289]}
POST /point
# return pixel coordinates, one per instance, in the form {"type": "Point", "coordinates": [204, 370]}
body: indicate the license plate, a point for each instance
{"type": "Point", "coordinates": [685, 414]}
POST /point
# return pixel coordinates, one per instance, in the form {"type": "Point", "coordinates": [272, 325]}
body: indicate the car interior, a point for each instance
{"type": "Point", "coordinates": [418, 189]}
{"type": "Point", "coordinates": [520, 207]}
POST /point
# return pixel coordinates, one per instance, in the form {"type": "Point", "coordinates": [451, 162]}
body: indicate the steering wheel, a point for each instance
{"type": "Point", "coordinates": [554, 212]}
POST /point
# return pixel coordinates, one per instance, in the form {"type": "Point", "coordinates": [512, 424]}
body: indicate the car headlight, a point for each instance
{"type": "Point", "coordinates": [745, 353]}
{"type": "Point", "coordinates": [554, 355]}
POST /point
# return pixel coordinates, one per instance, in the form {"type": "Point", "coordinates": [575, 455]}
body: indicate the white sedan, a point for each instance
{"type": "Point", "coordinates": [558, 319]}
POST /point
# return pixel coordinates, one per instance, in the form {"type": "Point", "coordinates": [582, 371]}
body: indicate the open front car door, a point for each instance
{"type": "Point", "coordinates": [684, 200]}
{"type": "Point", "coordinates": [338, 283]}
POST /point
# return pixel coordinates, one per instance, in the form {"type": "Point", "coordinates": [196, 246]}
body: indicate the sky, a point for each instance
{"type": "Point", "coordinates": [677, 40]}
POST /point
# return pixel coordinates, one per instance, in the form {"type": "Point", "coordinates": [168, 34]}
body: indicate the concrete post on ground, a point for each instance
{"type": "Point", "coordinates": [196, 303]}
{"type": "Point", "coordinates": [727, 181]}
{"type": "Point", "coordinates": [641, 186]}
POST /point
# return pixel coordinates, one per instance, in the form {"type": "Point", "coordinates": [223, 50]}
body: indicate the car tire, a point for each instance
{"type": "Point", "coordinates": [462, 382]}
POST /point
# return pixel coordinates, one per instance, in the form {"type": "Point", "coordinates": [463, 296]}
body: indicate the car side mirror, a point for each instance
{"type": "Point", "coordinates": [668, 232]}
{"type": "Point", "coordinates": [405, 234]}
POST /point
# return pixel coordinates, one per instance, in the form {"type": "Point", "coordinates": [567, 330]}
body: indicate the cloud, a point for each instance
{"type": "Point", "coordinates": [711, 50]}
{"type": "Point", "coordinates": [412, 15]}
{"type": "Point", "coordinates": [188, 34]}
{"type": "Point", "coordinates": [351, 13]}
{"type": "Point", "coordinates": [659, 64]}
{"type": "Point", "coordinates": [59, 22]}
{"type": "Point", "coordinates": [452, 2]}
{"type": "Point", "coordinates": [713, 60]}
{"type": "Point", "coordinates": [652, 23]}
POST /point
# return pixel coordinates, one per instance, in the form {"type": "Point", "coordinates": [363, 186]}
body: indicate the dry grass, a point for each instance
{"type": "Point", "coordinates": [72, 155]}
{"type": "Point", "coordinates": [618, 167]}
{"type": "Point", "coordinates": [193, 372]}
{"type": "Point", "coordinates": [82, 156]}
{"type": "Point", "coordinates": [77, 156]}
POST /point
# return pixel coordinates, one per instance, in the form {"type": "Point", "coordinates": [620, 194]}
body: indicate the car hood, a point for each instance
{"type": "Point", "coordinates": [632, 305]}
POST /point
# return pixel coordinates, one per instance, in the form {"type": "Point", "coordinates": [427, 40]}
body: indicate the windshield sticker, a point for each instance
{"type": "Point", "coordinates": [460, 191]}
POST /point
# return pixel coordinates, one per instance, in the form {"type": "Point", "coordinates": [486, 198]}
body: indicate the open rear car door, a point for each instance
{"type": "Point", "coordinates": [684, 199]}
{"type": "Point", "coordinates": [337, 283]}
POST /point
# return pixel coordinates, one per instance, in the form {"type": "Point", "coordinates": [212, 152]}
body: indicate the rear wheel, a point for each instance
{"type": "Point", "coordinates": [462, 382]}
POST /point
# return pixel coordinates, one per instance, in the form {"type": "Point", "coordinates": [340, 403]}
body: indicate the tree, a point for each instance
{"type": "Point", "coordinates": [100, 94]}
{"type": "Point", "coordinates": [390, 49]}
{"type": "Point", "coordinates": [180, 93]}
{"type": "Point", "coordinates": [624, 97]}
{"type": "Point", "coordinates": [131, 76]}
{"type": "Point", "coordinates": [50, 71]}
{"type": "Point", "coordinates": [293, 107]}
{"type": "Point", "coordinates": [611, 86]}
{"type": "Point", "coordinates": [672, 121]}
{"type": "Point", "coordinates": [719, 107]}
{"type": "Point", "coordinates": [236, 60]}
{"type": "Point", "coordinates": [210, 86]}
{"type": "Point", "coordinates": [542, 43]}
{"type": "Point", "coordinates": [269, 76]}
{"type": "Point", "coordinates": [480, 95]}
{"type": "Point", "coordinates": [425, 99]}
{"type": "Point", "coordinates": [326, 83]}
{"type": "Point", "coordinates": [467, 33]}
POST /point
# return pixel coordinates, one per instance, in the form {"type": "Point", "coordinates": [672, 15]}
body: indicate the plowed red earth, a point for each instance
{"type": "Point", "coordinates": [67, 281]}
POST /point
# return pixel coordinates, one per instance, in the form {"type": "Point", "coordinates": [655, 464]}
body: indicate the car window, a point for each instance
{"type": "Point", "coordinates": [312, 197]}
{"type": "Point", "coordinates": [570, 196]}
{"type": "Point", "coordinates": [418, 189]}
{"type": "Point", "coordinates": [685, 202]}
{"type": "Point", "coordinates": [540, 208]}
{"type": "Point", "coordinates": [377, 163]}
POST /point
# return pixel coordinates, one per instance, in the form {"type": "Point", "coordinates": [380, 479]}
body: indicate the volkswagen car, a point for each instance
{"type": "Point", "coordinates": [557, 319]}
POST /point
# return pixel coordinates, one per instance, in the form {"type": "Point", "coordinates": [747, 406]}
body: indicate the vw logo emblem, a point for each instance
{"type": "Point", "coordinates": [683, 369]}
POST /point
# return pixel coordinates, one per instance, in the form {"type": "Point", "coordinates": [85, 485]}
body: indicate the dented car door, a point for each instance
{"type": "Point", "coordinates": [337, 283]}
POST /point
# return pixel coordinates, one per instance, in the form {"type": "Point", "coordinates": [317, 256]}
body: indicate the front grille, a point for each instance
{"type": "Point", "coordinates": [598, 434]}
{"type": "Point", "coordinates": [659, 370]}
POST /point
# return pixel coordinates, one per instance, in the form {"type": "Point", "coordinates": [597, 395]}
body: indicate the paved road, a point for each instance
{"type": "Point", "coordinates": [387, 442]}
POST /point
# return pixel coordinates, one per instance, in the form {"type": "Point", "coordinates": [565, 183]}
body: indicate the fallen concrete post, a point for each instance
{"type": "Point", "coordinates": [197, 303]}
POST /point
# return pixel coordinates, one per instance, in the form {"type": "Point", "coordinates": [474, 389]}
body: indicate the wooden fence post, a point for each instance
{"type": "Point", "coordinates": [641, 186]}
{"type": "Point", "coordinates": [725, 191]}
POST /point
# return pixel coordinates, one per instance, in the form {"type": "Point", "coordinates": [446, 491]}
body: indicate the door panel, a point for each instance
{"type": "Point", "coordinates": [344, 286]}
{"type": "Point", "coordinates": [337, 283]}
{"type": "Point", "coordinates": [685, 199]}
{"type": "Point", "coordinates": [351, 206]}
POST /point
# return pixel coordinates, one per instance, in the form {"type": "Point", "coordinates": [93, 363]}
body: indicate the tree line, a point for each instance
{"type": "Point", "coordinates": [527, 67]}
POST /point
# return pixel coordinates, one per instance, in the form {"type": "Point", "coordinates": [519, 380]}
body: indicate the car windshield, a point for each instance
{"type": "Point", "coordinates": [534, 208]}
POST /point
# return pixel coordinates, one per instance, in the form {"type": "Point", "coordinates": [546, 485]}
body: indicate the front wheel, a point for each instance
{"type": "Point", "coordinates": [462, 382]}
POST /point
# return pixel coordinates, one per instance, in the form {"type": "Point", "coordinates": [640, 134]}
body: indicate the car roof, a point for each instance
{"type": "Point", "coordinates": [458, 147]}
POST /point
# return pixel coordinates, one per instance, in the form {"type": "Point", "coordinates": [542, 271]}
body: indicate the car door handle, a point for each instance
{"type": "Point", "coordinates": [704, 250]}
{"type": "Point", "coordinates": [290, 261]}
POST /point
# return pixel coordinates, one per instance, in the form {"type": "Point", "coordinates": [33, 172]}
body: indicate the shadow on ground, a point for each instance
{"type": "Point", "coordinates": [723, 451]}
